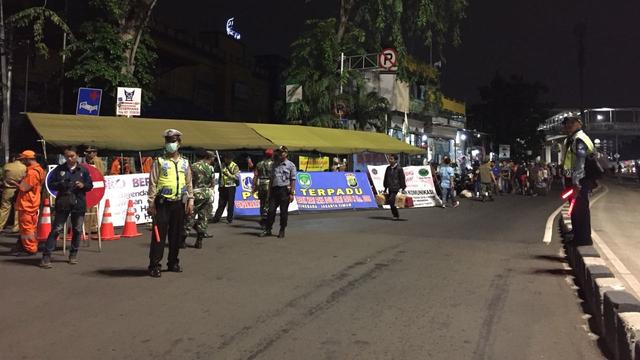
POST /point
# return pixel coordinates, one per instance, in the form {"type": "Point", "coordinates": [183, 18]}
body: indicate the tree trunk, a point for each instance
{"type": "Point", "coordinates": [345, 11]}
{"type": "Point", "coordinates": [6, 88]}
{"type": "Point", "coordinates": [132, 27]}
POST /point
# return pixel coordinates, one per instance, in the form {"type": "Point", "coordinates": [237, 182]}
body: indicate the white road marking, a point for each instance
{"type": "Point", "coordinates": [548, 230]}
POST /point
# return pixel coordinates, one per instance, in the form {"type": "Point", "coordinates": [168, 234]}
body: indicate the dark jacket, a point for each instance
{"type": "Point", "coordinates": [394, 179]}
{"type": "Point", "coordinates": [62, 180]}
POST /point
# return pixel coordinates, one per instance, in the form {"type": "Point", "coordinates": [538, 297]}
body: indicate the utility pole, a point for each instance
{"type": "Point", "coordinates": [5, 68]}
{"type": "Point", "coordinates": [580, 31]}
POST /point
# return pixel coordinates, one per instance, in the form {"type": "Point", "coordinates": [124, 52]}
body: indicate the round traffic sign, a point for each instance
{"type": "Point", "coordinates": [93, 196]}
{"type": "Point", "coordinates": [388, 58]}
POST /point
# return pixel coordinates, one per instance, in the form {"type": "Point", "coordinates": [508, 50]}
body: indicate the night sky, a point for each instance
{"type": "Point", "coordinates": [531, 38]}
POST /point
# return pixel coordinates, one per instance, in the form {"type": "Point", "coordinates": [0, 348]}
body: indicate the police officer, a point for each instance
{"type": "Point", "coordinates": [227, 189]}
{"type": "Point", "coordinates": [261, 179]}
{"type": "Point", "coordinates": [170, 198]}
{"type": "Point", "coordinates": [281, 190]}
{"type": "Point", "coordinates": [203, 184]}
{"type": "Point", "coordinates": [577, 147]}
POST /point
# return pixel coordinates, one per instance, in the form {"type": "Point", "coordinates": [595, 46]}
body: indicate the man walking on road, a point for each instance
{"type": "Point", "coordinates": [72, 181]}
{"type": "Point", "coordinates": [228, 182]}
{"type": "Point", "coordinates": [28, 203]}
{"type": "Point", "coordinates": [487, 181]}
{"type": "Point", "coordinates": [14, 172]}
{"type": "Point", "coordinates": [393, 183]}
{"type": "Point", "coordinates": [282, 191]}
{"type": "Point", "coordinates": [261, 180]}
{"type": "Point", "coordinates": [170, 199]}
{"type": "Point", "coordinates": [577, 147]}
{"type": "Point", "coordinates": [203, 184]}
{"type": "Point", "coordinates": [447, 183]}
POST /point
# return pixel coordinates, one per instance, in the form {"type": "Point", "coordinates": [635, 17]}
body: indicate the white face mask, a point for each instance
{"type": "Point", "coordinates": [171, 147]}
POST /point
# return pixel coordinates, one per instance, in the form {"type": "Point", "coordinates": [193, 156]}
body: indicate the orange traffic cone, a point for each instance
{"type": "Point", "coordinates": [106, 229]}
{"type": "Point", "coordinates": [130, 229]}
{"type": "Point", "coordinates": [44, 227]}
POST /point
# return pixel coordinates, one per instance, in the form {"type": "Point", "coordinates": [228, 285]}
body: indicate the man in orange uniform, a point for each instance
{"type": "Point", "coordinates": [28, 204]}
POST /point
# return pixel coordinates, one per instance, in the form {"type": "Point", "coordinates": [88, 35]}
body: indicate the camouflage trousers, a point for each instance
{"type": "Point", "coordinates": [199, 219]}
{"type": "Point", "coordinates": [263, 195]}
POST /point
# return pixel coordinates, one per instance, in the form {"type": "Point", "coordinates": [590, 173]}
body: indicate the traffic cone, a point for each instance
{"type": "Point", "coordinates": [44, 226]}
{"type": "Point", "coordinates": [130, 228]}
{"type": "Point", "coordinates": [106, 229]}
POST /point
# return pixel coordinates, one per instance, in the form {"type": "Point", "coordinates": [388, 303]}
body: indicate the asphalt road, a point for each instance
{"type": "Point", "coordinates": [615, 219]}
{"type": "Point", "coordinates": [474, 282]}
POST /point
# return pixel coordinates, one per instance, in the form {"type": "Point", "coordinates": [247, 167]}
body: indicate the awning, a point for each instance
{"type": "Point", "coordinates": [332, 141]}
{"type": "Point", "coordinates": [143, 134]}
{"type": "Point", "coordinates": [140, 134]}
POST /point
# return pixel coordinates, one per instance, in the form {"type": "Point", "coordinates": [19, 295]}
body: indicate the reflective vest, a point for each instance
{"type": "Point", "coordinates": [569, 154]}
{"type": "Point", "coordinates": [172, 182]}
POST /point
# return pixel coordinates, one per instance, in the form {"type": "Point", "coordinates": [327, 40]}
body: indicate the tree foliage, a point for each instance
{"type": "Point", "coordinates": [360, 27]}
{"type": "Point", "coordinates": [115, 48]}
{"type": "Point", "coordinates": [36, 18]}
{"type": "Point", "coordinates": [511, 109]}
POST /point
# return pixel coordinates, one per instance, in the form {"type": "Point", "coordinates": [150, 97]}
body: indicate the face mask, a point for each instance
{"type": "Point", "coordinates": [171, 147]}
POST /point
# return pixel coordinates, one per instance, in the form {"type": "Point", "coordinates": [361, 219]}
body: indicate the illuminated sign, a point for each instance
{"type": "Point", "coordinates": [231, 31]}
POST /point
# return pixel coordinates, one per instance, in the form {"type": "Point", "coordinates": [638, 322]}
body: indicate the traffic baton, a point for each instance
{"type": "Point", "coordinates": [155, 231]}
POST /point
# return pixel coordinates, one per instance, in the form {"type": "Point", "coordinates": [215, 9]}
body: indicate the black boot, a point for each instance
{"type": "Point", "coordinates": [198, 244]}
{"type": "Point", "coordinates": [183, 242]}
{"type": "Point", "coordinates": [281, 234]}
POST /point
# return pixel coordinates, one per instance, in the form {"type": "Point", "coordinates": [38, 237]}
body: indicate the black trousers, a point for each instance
{"type": "Point", "coordinates": [169, 219]}
{"type": "Point", "coordinates": [278, 198]}
{"type": "Point", "coordinates": [392, 203]}
{"type": "Point", "coordinates": [228, 199]}
{"type": "Point", "coordinates": [581, 214]}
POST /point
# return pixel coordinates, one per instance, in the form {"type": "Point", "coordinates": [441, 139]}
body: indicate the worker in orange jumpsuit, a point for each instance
{"type": "Point", "coordinates": [28, 204]}
{"type": "Point", "coordinates": [116, 169]}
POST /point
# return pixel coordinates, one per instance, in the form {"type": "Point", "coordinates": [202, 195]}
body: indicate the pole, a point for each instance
{"type": "Point", "coordinates": [341, 70]}
{"type": "Point", "coordinates": [6, 90]}
{"type": "Point", "coordinates": [64, 59]}
{"type": "Point", "coordinates": [26, 80]}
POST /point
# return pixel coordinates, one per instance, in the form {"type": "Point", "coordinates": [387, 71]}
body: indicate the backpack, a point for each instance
{"type": "Point", "coordinates": [594, 165]}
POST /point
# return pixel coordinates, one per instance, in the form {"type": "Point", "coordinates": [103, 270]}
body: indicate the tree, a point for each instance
{"type": "Point", "coordinates": [35, 18]}
{"type": "Point", "coordinates": [316, 54]}
{"type": "Point", "coordinates": [115, 47]}
{"type": "Point", "coordinates": [511, 110]}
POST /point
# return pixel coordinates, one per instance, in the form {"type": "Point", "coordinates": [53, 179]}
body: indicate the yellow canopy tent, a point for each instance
{"type": "Point", "coordinates": [142, 134]}
{"type": "Point", "coordinates": [332, 141]}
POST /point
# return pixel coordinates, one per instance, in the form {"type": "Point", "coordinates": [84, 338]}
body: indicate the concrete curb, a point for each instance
{"type": "Point", "coordinates": [615, 312]}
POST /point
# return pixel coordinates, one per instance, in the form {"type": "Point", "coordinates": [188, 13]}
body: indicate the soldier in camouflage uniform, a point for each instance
{"type": "Point", "coordinates": [261, 176]}
{"type": "Point", "coordinates": [203, 183]}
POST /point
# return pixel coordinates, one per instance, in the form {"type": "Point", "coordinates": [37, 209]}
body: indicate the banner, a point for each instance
{"type": "Point", "coordinates": [128, 101]}
{"type": "Point", "coordinates": [419, 182]}
{"type": "Point", "coordinates": [119, 190]}
{"type": "Point", "coordinates": [313, 163]}
{"type": "Point", "coordinates": [333, 191]}
{"type": "Point", "coordinates": [246, 201]}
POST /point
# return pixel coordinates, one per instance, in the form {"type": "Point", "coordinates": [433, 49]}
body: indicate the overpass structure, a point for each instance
{"type": "Point", "coordinates": [613, 130]}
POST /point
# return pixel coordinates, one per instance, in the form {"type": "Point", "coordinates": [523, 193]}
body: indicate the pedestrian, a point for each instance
{"type": "Point", "coordinates": [71, 181]}
{"type": "Point", "coordinates": [170, 199]}
{"type": "Point", "coordinates": [487, 181]}
{"type": "Point", "coordinates": [282, 190]}
{"type": "Point", "coordinates": [505, 175]}
{"type": "Point", "coordinates": [28, 203]}
{"type": "Point", "coordinates": [393, 183]}
{"type": "Point", "coordinates": [229, 179]}
{"type": "Point", "coordinates": [203, 185]}
{"type": "Point", "coordinates": [577, 147]}
{"type": "Point", "coordinates": [14, 172]}
{"type": "Point", "coordinates": [495, 169]}
{"type": "Point", "coordinates": [338, 165]}
{"type": "Point", "coordinates": [91, 157]}
{"type": "Point", "coordinates": [447, 183]}
{"type": "Point", "coordinates": [261, 180]}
